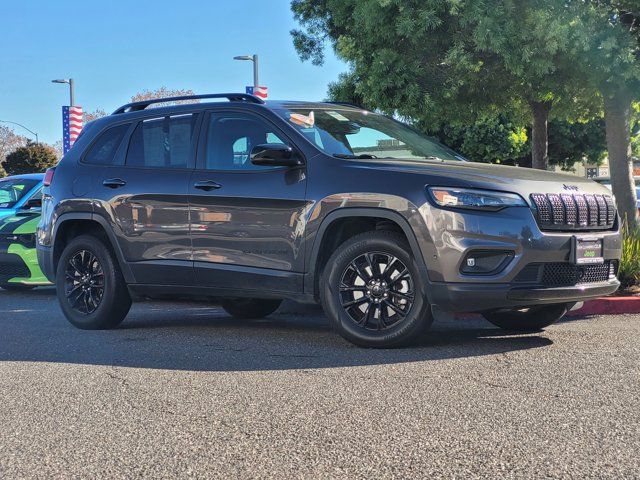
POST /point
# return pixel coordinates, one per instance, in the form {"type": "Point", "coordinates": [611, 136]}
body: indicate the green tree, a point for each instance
{"type": "Point", "coordinates": [490, 140]}
{"type": "Point", "coordinates": [32, 158]}
{"type": "Point", "coordinates": [459, 61]}
{"type": "Point", "coordinates": [571, 142]}
{"type": "Point", "coordinates": [607, 37]}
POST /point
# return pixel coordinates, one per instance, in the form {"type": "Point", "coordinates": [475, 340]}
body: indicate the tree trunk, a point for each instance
{"type": "Point", "coordinates": [617, 113]}
{"type": "Point", "coordinates": [539, 135]}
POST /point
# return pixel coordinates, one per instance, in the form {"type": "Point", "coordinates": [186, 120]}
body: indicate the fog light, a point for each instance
{"type": "Point", "coordinates": [613, 269]}
{"type": "Point", "coordinates": [485, 262]}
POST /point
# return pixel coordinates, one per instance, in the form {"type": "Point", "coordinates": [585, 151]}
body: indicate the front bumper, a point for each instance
{"type": "Point", "coordinates": [478, 297]}
{"type": "Point", "coordinates": [18, 265]}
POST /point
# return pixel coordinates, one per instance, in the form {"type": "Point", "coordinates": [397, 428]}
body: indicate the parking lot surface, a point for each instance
{"type": "Point", "coordinates": [182, 390]}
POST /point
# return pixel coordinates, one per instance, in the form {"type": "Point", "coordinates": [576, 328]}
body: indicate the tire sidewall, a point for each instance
{"type": "Point", "coordinates": [101, 317]}
{"type": "Point", "coordinates": [418, 319]}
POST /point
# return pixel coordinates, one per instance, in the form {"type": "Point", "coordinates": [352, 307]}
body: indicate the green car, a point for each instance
{"type": "Point", "coordinates": [19, 268]}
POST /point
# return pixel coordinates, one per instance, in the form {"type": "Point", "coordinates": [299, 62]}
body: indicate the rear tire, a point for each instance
{"type": "Point", "coordinates": [532, 319]}
{"type": "Point", "coordinates": [246, 308]}
{"type": "Point", "coordinates": [16, 287]}
{"type": "Point", "coordinates": [91, 290]}
{"type": "Point", "coordinates": [372, 292]}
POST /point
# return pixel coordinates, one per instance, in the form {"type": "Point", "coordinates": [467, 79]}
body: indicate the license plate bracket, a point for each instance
{"type": "Point", "coordinates": [586, 250]}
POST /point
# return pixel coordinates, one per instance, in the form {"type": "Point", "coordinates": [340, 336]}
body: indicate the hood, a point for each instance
{"type": "Point", "coordinates": [521, 180]}
{"type": "Point", "coordinates": [23, 222]}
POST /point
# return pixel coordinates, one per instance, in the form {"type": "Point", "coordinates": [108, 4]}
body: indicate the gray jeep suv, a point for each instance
{"type": "Point", "coordinates": [251, 202]}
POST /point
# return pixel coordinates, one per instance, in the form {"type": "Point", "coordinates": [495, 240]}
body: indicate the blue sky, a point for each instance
{"type": "Point", "coordinates": [117, 48]}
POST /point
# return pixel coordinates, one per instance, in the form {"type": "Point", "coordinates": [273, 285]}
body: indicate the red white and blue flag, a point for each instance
{"type": "Point", "coordinates": [71, 126]}
{"type": "Point", "coordinates": [260, 92]}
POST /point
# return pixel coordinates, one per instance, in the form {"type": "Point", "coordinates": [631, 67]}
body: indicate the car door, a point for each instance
{"type": "Point", "coordinates": [247, 221]}
{"type": "Point", "coordinates": [145, 197]}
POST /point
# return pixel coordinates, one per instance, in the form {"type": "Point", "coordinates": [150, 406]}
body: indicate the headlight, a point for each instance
{"type": "Point", "coordinates": [475, 199]}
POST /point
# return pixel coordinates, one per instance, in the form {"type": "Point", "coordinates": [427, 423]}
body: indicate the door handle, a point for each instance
{"type": "Point", "coordinates": [114, 182]}
{"type": "Point", "coordinates": [207, 185]}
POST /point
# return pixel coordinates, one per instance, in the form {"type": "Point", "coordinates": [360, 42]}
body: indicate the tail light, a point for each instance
{"type": "Point", "coordinates": [48, 177]}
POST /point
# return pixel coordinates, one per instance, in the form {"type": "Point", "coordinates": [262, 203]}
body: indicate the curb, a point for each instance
{"type": "Point", "coordinates": [608, 306]}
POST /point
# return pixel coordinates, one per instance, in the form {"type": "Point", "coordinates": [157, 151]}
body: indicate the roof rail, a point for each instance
{"type": "Point", "coordinates": [232, 97]}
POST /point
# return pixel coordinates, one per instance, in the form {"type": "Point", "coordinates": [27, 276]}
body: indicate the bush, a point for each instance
{"type": "Point", "coordinates": [629, 271]}
{"type": "Point", "coordinates": [32, 158]}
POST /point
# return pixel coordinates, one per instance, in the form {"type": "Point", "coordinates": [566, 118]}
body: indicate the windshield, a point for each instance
{"type": "Point", "coordinates": [13, 189]}
{"type": "Point", "coordinates": [360, 134]}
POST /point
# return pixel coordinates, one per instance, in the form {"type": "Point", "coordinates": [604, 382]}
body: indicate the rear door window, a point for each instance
{"type": "Point", "coordinates": [165, 142]}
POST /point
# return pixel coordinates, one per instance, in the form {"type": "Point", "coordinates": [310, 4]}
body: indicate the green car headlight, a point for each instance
{"type": "Point", "coordinates": [473, 199]}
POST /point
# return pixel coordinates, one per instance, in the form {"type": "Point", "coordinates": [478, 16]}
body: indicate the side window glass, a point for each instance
{"type": "Point", "coordinates": [230, 139]}
{"type": "Point", "coordinates": [103, 151]}
{"type": "Point", "coordinates": [162, 142]}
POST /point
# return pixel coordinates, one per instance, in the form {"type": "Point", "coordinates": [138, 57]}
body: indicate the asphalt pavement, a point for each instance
{"type": "Point", "coordinates": [181, 390]}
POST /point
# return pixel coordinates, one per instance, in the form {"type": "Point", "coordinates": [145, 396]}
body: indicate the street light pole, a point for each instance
{"type": "Point", "coordinates": [256, 83]}
{"type": "Point", "coordinates": [70, 82]}
{"type": "Point", "coordinates": [252, 58]}
{"type": "Point", "coordinates": [71, 99]}
{"type": "Point", "coordinates": [20, 125]}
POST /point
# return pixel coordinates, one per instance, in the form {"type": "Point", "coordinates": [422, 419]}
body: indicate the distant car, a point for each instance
{"type": "Point", "coordinates": [19, 268]}
{"type": "Point", "coordinates": [17, 190]}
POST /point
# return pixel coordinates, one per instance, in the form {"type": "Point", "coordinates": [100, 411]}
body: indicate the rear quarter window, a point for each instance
{"type": "Point", "coordinates": [103, 150]}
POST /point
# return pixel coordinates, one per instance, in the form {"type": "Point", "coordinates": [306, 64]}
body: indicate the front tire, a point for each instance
{"type": "Point", "coordinates": [531, 319]}
{"type": "Point", "coordinates": [372, 292]}
{"type": "Point", "coordinates": [247, 308]}
{"type": "Point", "coordinates": [91, 289]}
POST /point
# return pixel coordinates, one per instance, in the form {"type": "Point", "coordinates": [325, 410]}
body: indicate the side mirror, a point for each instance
{"type": "Point", "coordinates": [35, 202]}
{"type": "Point", "coordinates": [275, 155]}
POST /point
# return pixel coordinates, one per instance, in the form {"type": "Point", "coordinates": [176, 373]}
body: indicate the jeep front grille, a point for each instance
{"type": "Point", "coordinates": [574, 211]}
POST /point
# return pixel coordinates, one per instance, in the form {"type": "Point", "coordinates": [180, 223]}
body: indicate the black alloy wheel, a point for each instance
{"type": "Point", "coordinates": [373, 293]}
{"type": "Point", "coordinates": [376, 290]}
{"type": "Point", "coordinates": [91, 289]}
{"type": "Point", "coordinates": [84, 282]}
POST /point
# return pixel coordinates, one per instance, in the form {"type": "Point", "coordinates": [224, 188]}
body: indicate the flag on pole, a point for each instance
{"type": "Point", "coordinates": [260, 92]}
{"type": "Point", "coordinates": [71, 126]}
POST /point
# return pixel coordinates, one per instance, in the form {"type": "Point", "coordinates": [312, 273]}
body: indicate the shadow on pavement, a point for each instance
{"type": "Point", "coordinates": [201, 337]}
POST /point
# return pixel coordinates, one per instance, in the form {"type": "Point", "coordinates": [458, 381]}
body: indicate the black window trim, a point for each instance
{"type": "Point", "coordinates": [204, 137]}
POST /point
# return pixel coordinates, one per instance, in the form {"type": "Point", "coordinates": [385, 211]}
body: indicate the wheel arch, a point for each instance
{"type": "Point", "coordinates": [77, 223]}
{"type": "Point", "coordinates": [314, 260]}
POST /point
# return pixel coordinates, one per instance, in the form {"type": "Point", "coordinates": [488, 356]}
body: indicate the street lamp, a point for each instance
{"type": "Point", "coordinates": [70, 82]}
{"type": "Point", "coordinates": [20, 125]}
{"type": "Point", "coordinates": [253, 58]}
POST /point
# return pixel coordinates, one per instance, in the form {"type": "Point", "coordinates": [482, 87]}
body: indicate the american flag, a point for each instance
{"type": "Point", "coordinates": [71, 126]}
{"type": "Point", "coordinates": [260, 92]}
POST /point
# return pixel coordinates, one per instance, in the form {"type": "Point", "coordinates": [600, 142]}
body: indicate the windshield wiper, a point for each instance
{"type": "Point", "coordinates": [348, 155]}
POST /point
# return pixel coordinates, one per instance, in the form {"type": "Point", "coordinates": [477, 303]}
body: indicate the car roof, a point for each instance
{"type": "Point", "coordinates": [27, 176]}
